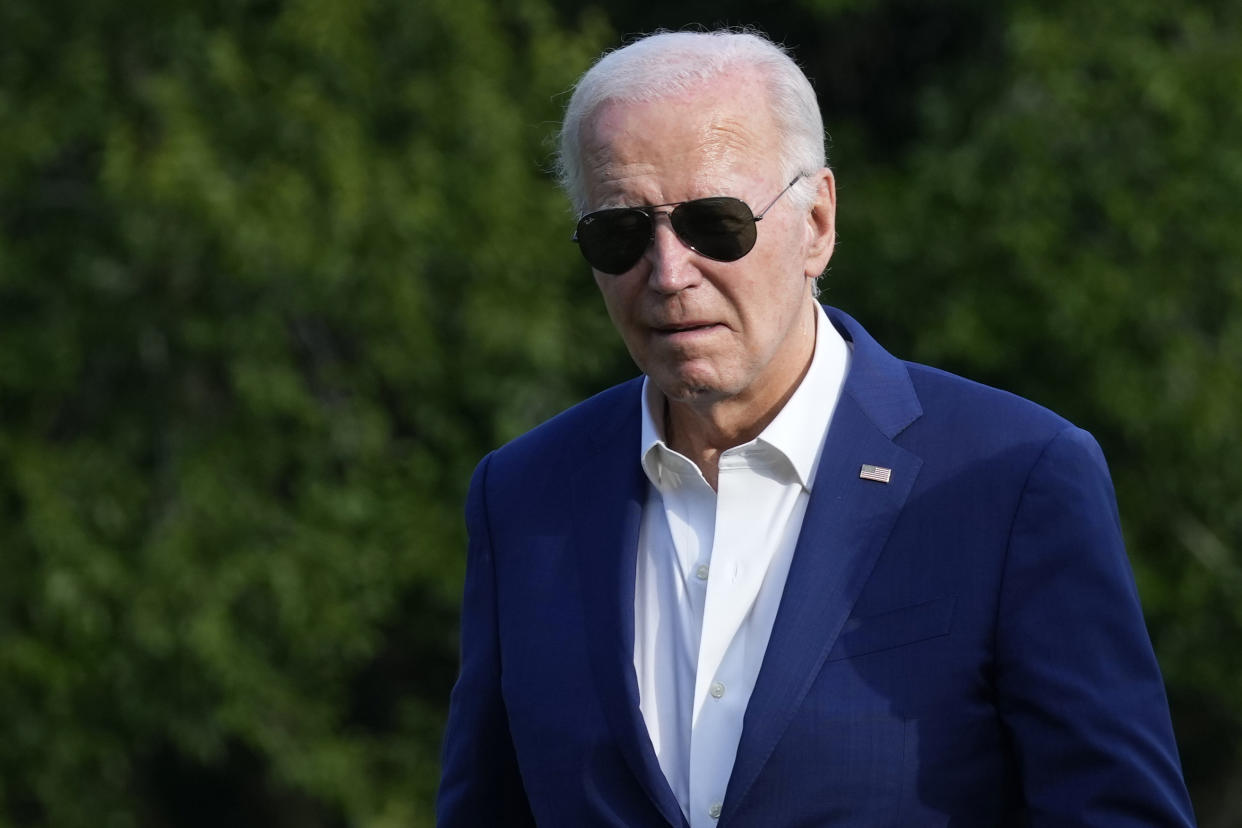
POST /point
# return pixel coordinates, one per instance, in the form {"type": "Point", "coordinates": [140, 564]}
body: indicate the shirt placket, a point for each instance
{"type": "Point", "coordinates": [739, 558]}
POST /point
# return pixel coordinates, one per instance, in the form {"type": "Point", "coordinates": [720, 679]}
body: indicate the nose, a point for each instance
{"type": "Point", "coordinates": [672, 261]}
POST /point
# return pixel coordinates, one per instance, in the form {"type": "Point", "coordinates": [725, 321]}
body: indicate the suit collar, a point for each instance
{"type": "Point", "coordinates": [878, 381]}
{"type": "Point", "coordinates": [847, 523]}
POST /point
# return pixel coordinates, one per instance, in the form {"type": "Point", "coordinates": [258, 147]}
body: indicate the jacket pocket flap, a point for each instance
{"type": "Point", "coordinates": [895, 628]}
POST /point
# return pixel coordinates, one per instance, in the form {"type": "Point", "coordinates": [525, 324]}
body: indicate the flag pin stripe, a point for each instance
{"type": "Point", "coordinates": [876, 473]}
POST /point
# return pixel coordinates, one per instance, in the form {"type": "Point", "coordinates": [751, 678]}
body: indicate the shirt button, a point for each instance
{"type": "Point", "coordinates": [717, 689]}
{"type": "Point", "coordinates": [714, 810]}
{"type": "Point", "coordinates": [701, 572]}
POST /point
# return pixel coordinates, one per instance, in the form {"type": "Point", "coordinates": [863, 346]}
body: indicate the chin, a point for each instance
{"type": "Point", "coordinates": [689, 390]}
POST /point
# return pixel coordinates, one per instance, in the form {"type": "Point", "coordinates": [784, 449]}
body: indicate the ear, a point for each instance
{"type": "Point", "coordinates": [821, 224]}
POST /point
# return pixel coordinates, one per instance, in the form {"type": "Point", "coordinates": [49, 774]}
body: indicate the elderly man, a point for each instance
{"type": "Point", "coordinates": [783, 578]}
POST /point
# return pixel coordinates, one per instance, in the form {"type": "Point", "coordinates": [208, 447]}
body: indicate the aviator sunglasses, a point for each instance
{"type": "Point", "coordinates": [720, 227]}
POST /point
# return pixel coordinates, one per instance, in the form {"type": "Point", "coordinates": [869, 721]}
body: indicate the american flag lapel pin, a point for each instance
{"type": "Point", "coordinates": [877, 473]}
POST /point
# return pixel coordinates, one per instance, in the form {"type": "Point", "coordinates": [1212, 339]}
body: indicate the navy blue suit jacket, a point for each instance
{"type": "Point", "coordinates": [961, 646]}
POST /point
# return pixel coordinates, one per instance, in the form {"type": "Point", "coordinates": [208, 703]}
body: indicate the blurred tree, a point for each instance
{"type": "Point", "coordinates": [271, 277]}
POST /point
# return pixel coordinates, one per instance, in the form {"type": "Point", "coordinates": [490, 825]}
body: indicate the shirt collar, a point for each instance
{"type": "Point", "coordinates": [797, 431]}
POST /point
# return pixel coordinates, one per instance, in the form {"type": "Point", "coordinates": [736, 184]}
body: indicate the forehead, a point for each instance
{"type": "Point", "coordinates": [718, 133]}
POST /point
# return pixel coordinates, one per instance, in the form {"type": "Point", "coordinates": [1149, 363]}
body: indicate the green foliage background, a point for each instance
{"type": "Point", "coordinates": [274, 275]}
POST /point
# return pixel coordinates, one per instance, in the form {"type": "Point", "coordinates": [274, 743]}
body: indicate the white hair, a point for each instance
{"type": "Point", "coordinates": [665, 64]}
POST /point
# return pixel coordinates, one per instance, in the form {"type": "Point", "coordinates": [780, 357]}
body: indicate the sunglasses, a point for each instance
{"type": "Point", "coordinates": [721, 228]}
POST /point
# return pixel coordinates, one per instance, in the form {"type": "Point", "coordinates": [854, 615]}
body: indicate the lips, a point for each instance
{"type": "Point", "coordinates": [684, 327]}
{"type": "Point", "coordinates": [685, 333]}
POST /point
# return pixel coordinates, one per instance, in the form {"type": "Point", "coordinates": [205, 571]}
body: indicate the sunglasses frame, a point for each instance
{"type": "Point", "coordinates": [653, 210]}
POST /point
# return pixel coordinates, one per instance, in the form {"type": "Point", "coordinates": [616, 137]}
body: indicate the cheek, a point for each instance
{"type": "Point", "coordinates": [772, 305]}
{"type": "Point", "coordinates": [763, 296]}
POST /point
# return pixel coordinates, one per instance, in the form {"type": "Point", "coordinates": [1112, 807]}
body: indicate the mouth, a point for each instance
{"type": "Point", "coordinates": [685, 327]}
{"type": "Point", "coordinates": [685, 332]}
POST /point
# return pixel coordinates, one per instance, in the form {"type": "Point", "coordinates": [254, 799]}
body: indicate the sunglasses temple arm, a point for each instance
{"type": "Point", "coordinates": [772, 203]}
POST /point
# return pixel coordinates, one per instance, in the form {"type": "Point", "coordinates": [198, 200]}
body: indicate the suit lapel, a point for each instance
{"type": "Point", "coordinates": [609, 494]}
{"type": "Point", "coordinates": [847, 523]}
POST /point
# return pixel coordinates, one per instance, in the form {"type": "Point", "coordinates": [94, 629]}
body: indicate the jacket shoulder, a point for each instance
{"type": "Point", "coordinates": [966, 421]}
{"type": "Point", "coordinates": [907, 398]}
{"type": "Point", "coordinates": [947, 395]}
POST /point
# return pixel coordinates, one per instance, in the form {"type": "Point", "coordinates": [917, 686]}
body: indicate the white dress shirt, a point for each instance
{"type": "Point", "coordinates": [711, 571]}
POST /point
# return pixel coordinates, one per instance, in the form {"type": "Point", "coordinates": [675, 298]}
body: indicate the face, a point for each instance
{"type": "Point", "coordinates": [704, 331]}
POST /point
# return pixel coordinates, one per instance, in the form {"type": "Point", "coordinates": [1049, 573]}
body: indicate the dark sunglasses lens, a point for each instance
{"type": "Point", "coordinates": [720, 228]}
{"type": "Point", "coordinates": [612, 241]}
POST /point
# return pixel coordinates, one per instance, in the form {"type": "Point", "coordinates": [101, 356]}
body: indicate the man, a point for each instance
{"type": "Point", "coordinates": [783, 579]}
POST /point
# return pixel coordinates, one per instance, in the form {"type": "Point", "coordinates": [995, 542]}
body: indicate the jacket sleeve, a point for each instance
{"type": "Point", "coordinates": [1078, 684]}
{"type": "Point", "coordinates": [480, 784]}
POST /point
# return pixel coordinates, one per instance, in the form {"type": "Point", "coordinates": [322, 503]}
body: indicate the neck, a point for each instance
{"type": "Point", "coordinates": [702, 431]}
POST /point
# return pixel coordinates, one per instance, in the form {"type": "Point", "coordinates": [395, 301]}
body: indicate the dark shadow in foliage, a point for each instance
{"type": "Point", "coordinates": [178, 791]}
{"type": "Point", "coordinates": [1207, 735]}
{"type": "Point", "coordinates": [417, 659]}
{"type": "Point", "coordinates": [870, 65]}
